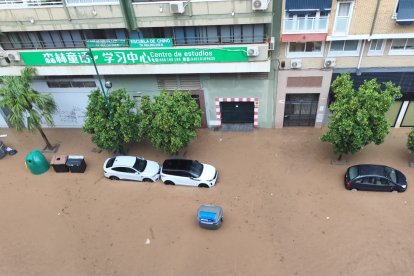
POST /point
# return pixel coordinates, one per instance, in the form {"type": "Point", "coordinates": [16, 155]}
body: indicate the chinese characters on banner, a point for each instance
{"type": "Point", "coordinates": [132, 56]}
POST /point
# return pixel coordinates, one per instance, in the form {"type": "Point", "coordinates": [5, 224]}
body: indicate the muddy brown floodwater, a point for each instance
{"type": "Point", "coordinates": [286, 211]}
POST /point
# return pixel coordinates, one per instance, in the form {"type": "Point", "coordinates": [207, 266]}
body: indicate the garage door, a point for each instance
{"type": "Point", "coordinates": [237, 112]}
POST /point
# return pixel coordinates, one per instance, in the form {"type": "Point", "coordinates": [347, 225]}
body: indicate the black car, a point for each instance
{"type": "Point", "coordinates": [375, 178]}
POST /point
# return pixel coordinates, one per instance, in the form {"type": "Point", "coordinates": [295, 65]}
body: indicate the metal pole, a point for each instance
{"type": "Point", "coordinates": [100, 80]}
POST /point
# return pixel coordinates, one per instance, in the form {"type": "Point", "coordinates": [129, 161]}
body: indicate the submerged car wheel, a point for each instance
{"type": "Point", "coordinates": [168, 182]}
{"type": "Point", "coordinates": [147, 180]}
{"type": "Point", "coordinates": [114, 178]}
{"type": "Point", "coordinates": [202, 185]}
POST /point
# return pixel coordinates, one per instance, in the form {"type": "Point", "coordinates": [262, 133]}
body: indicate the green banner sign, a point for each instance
{"type": "Point", "coordinates": [106, 43]}
{"type": "Point", "coordinates": [132, 56]}
{"type": "Point", "coordinates": [150, 43]}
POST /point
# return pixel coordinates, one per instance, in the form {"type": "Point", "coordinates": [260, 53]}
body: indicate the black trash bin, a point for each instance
{"type": "Point", "coordinates": [59, 163]}
{"type": "Point", "coordinates": [2, 150]}
{"type": "Point", "coordinates": [76, 163]}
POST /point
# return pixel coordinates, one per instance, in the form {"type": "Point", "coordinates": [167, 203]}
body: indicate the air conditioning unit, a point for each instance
{"type": "Point", "coordinates": [260, 5]}
{"type": "Point", "coordinates": [252, 51]}
{"type": "Point", "coordinates": [296, 63]}
{"type": "Point", "coordinates": [329, 62]}
{"type": "Point", "coordinates": [12, 56]}
{"type": "Point", "coordinates": [177, 7]}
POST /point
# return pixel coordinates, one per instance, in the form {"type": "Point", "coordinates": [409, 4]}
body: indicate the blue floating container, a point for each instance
{"type": "Point", "coordinates": [210, 216]}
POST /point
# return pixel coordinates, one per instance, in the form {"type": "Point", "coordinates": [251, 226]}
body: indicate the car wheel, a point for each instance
{"type": "Point", "coordinates": [354, 189]}
{"type": "Point", "coordinates": [168, 182]}
{"type": "Point", "coordinates": [114, 178]}
{"type": "Point", "coordinates": [202, 185]}
{"type": "Point", "coordinates": [147, 180]}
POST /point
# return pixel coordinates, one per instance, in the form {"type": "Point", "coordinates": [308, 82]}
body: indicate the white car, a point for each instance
{"type": "Point", "coordinates": [189, 173]}
{"type": "Point", "coordinates": [131, 168]}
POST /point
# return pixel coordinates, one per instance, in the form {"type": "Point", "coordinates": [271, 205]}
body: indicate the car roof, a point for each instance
{"type": "Point", "coordinates": [367, 169]}
{"type": "Point", "coordinates": [177, 164]}
{"type": "Point", "coordinates": [124, 161]}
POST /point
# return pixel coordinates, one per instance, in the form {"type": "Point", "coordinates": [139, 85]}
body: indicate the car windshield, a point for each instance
{"type": "Point", "coordinates": [196, 168]}
{"type": "Point", "coordinates": [390, 173]}
{"type": "Point", "coordinates": [353, 172]}
{"type": "Point", "coordinates": [140, 164]}
{"type": "Point", "coordinates": [110, 162]}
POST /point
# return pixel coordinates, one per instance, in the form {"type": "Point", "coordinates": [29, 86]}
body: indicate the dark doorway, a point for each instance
{"type": "Point", "coordinates": [198, 96]}
{"type": "Point", "coordinates": [300, 109]}
{"type": "Point", "coordinates": [237, 112]}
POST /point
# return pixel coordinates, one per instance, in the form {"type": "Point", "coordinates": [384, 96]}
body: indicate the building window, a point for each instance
{"type": "Point", "coordinates": [70, 82]}
{"type": "Point", "coordinates": [344, 48]}
{"type": "Point", "coordinates": [306, 22]}
{"type": "Point", "coordinates": [376, 48]}
{"type": "Point", "coordinates": [343, 17]}
{"type": "Point", "coordinates": [402, 47]}
{"type": "Point", "coordinates": [232, 34]}
{"type": "Point", "coordinates": [305, 49]}
{"type": "Point", "coordinates": [404, 12]}
{"type": "Point", "coordinates": [192, 35]}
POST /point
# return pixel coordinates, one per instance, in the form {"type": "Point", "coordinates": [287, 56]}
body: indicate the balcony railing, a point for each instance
{"type": "Point", "coordinates": [7, 4]}
{"type": "Point", "coordinates": [306, 24]}
{"type": "Point", "coordinates": [90, 2]}
{"type": "Point", "coordinates": [188, 41]}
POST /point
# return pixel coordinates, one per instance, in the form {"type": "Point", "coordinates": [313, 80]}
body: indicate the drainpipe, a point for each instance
{"type": "Point", "coordinates": [129, 14]}
{"type": "Point", "coordinates": [274, 56]}
{"type": "Point", "coordinates": [375, 19]}
{"type": "Point", "coordinates": [370, 34]}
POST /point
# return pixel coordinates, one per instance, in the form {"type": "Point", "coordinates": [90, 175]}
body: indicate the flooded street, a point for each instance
{"type": "Point", "coordinates": [286, 211]}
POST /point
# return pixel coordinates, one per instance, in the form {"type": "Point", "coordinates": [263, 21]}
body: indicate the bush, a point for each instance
{"type": "Point", "coordinates": [410, 142]}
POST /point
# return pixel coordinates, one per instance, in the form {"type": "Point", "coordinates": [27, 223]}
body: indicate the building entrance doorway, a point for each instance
{"type": "Point", "coordinates": [300, 110]}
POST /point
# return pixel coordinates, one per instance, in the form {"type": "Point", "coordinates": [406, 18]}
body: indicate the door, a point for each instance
{"type": "Point", "coordinates": [300, 109]}
{"type": "Point", "coordinates": [127, 173]}
{"type": "Point", "coordinates": [184, 178]}
{"type": "Point", "coordinates": [237, 112]}
{"type": "Point", "coordinates": [384, 184]}
{"type": "Point", "coordinates": [199, 98]}
{"type": "Point", "coordinates": [369, 183]}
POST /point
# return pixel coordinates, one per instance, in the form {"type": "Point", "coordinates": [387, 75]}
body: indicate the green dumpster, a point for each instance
{"type": "Point", "coordinates": [37, 162]}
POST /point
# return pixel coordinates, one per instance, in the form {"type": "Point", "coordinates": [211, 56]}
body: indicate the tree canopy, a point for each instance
{"type": "Point", "coordinates": [410, 141]}
{"type": "Point", "coordinates": [27, 107]}
{"type": "Point", "coordinates": [112, 129]}
{"type": "Point", "coordinates": [358, 115]}
{"type": "Point", "coordinates": [170, 120]}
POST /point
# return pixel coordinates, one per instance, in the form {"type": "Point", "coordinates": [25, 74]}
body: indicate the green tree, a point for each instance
{"type": "Point", "coordinates": [27, 107]}
{"type": "Point", "coordinates": [170, 121]}
{"type": "Point", "coordinates": [410, 141]}
{"type": "Point", "coordinates": [112, 129]}
{"type": "Point", "coordinates": [358, 116]}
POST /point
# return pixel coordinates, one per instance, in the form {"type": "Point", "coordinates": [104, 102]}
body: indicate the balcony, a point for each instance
{"type": "Point", "coordinates": [302, 25]}
{"type": "Point", "coordinates": [91, 2]}
{"type": "Point", "coordinates": [22, 4]}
